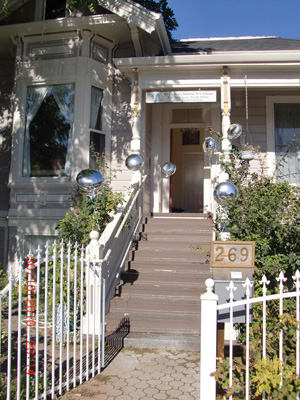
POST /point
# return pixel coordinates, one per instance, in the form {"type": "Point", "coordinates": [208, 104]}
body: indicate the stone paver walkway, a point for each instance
{"type": "Point", "coordinates": [144, 374]}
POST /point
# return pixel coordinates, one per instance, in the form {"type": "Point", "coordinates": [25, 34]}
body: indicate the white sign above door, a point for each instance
{"type": "Point", "coordinates": [198, 96]}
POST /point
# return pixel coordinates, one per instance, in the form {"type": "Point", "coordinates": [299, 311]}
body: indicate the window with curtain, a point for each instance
{"type": "Point", "coordinates": [97, 137]}
{"type": "Point", "coordinates": [48, 130]}
{"type": "Point", "coordinates": [287, 129]}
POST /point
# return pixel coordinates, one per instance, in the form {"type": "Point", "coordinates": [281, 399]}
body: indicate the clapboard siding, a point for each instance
{"type": "Point", "coordinates": [121, 133]}
{"type": "Point", "coordinates": [6, 87]}
{"type": "Point", "coordinates": [257, 117]}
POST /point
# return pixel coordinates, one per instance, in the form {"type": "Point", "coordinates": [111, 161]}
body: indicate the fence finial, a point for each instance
{"type": "Point", "coordinates": [209, 284]}
{"type": "Point", "coordinates": [281, 279]}
{"type": "Point", "coordinates": [247, 285]}
{"type": "Point", "coordinates": [93, 248]}
{"type": "Point", "coordinates": [231, 288]}
{"type": "Point", "coordinates": [296, 278]}
{"type": "Point", "coordinates": [264, 282]}
{"type": "Point", "coordinates": [209, 294]}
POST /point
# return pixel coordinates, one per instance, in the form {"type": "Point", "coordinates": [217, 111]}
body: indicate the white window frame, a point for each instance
{"type": "Point", "coordinates": [16, 174]}
{"type": "Point", "coordinates": [100, 131]}
{"type": "Point", "coordinates": [270, 123]}
{"type": "Point", "coordinates": [67, 176]}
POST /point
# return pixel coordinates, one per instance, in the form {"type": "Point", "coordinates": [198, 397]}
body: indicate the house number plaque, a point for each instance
{"type": "Point", "coordinates": [232, 254]}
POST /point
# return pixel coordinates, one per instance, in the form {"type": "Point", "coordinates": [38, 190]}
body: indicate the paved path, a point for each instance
{"type": "Point", "coordinates": [144, 374]}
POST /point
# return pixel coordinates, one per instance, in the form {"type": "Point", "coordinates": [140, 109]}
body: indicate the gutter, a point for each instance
{"type": "Point", "coordinates": [282, 57]}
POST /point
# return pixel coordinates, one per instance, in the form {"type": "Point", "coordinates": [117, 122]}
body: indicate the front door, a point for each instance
{"type": "Point", "coordinates": [193, 168]}
{"type": "Point", "coordinates": [186, 191]}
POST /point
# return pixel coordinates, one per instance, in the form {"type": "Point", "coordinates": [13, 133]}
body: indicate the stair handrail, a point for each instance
{"type": "Point", "coordinates": [115, 242]}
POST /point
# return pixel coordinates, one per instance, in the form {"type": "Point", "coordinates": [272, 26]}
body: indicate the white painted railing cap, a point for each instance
{"type": "Point", "coordinates": [209, 294]}
{"type": "Point", "coordinates": [93, 248]}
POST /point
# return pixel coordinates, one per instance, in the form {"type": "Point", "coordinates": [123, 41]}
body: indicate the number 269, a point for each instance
{"type": "Point", "coordinates": [232, 254]}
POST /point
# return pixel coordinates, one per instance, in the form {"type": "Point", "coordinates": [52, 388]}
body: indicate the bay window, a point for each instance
{"type": "Point", "coordinates": [48, 131]}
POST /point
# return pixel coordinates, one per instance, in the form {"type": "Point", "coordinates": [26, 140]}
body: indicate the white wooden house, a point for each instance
{"type": "Point", "coordinates": [115, 80]}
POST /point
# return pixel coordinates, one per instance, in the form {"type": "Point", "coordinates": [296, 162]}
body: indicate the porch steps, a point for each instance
{"type": "Point", "coordinates": [162, 283]}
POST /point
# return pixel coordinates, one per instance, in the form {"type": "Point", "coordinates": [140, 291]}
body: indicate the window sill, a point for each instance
{"type": "Point", "coordinates": [43, 182]}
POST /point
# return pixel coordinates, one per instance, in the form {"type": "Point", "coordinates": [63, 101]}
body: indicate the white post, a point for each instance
{"type": "Point", "coordinates": [226, 144]}
{"type": "Point", "coordinates": [136, 121]}
{"type": "Point", "coordinates": [208, 342]}
{"type": "Point", "coordinates": [91, 321]}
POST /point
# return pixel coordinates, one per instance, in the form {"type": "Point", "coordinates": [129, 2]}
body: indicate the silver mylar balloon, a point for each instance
{"type": "Point", "coordinates": [234, 131]}
{"type": "Point", "coordinates": [89, 180]}
{"type": "Point", "coordinates": [168, 169]}
{"type": "Point", "coordinates": [225, 191]}
{"type": "Point", "coordinates": [209, 146]}
{"type": "Point", "coordinates": [134, 162]}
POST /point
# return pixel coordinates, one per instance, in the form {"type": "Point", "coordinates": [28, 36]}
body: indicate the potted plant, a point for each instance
{"type": "Point", "coordinates": [248, 152]}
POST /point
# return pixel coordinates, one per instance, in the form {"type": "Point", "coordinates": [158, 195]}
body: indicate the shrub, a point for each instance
{"type": "Point", "coordinates": [267, 212]}
{"type": "Point", "coordinates": [89, 214]}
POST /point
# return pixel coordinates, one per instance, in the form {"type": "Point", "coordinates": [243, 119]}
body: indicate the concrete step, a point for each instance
{"type": "Point", "coordinates": [187, 342]}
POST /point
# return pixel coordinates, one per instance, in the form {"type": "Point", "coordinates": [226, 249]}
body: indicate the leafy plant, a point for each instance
{"type": "Point", "coordinates": [250, 147]}
{"type": "Point", "coordinates": [277, 379]}
{"type": "Point", "coordinates": [89, 214]}
{"type": "Point", "coordinates": [267, 212]}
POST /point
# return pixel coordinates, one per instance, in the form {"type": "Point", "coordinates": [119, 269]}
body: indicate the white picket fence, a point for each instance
{"type": "Point", "coordinates": [51, 339]}
{"type": "Point", "coordinates": [209, 311]}
{"type": "Point", "coordinates": [52, 321]}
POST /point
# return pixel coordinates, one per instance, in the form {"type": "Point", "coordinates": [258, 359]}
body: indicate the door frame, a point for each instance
{"type": "Point", "coordinates": [161, 125]}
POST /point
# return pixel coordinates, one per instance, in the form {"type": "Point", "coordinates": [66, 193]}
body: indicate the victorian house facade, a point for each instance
{"type": "Point", "coordinates": [114, 80]}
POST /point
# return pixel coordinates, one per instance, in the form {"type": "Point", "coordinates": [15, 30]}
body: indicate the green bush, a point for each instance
{"type": "Point", "coordinates": [267, 212]}
{"type": "Point", "coordinates": [90, 214]}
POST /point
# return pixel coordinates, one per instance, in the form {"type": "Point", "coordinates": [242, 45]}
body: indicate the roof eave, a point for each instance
{"type": "Point", "coordinates": [140, 16]}
{"type": "Point", "coordinates": [217, 58]}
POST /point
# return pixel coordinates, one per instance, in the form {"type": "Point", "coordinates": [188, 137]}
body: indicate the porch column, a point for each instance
{"type": "Point", "coordinates": [136, 121]}
{"type": "Point", "coordinates": [226, 144]}
{"type": "Point", "coordinates": [226, 108]}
